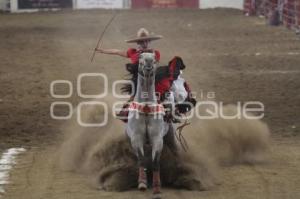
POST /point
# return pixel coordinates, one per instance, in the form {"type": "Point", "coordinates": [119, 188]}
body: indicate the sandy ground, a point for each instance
{"type": "Point", "coordinates": [37, 176]}
{"type": "Point", "coordinates": [238, 58]}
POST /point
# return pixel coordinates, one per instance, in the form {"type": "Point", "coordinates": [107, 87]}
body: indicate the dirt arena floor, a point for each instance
{"type": "Point", "coordinates": [237, 57]}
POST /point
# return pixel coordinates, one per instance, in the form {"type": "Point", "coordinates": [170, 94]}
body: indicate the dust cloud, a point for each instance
{"type": "Point", "coordinates": [105, 156]}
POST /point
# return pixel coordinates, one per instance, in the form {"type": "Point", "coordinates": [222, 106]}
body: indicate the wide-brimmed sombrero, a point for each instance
{"type": "Point", "coordinates": [143, 35]}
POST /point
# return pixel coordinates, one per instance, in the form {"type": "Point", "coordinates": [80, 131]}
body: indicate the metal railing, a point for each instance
{"type": "Point", "coordinates": [285, 12]}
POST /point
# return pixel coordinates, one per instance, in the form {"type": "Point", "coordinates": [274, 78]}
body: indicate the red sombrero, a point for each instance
{"type": "Point", "coordinates": [143, 35]}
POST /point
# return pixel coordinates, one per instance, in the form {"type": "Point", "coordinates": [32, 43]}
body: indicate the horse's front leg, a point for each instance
{"type": "Point", "coordinates": [137, 142]}
{"type": "Point", "coordinates": [136, 130]}
{"type": "Point", "coordinates": [142, 180]}
{"type": "Point", "coordinates": [157, 146]}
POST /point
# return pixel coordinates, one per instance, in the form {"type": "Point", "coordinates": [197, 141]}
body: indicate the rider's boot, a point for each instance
{"type": "Point", "coordinates": [171, 112]}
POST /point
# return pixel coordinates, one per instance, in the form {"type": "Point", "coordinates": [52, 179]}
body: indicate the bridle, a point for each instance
{"type": "Point", "coordinates": [142, 71]}
{"type": "Point", "coordinates": [145, 76]}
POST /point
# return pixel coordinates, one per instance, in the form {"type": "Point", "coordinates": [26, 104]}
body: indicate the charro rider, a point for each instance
{"type": "Point", "coordinates": [164, 83]}
{"type": "Point", "coordinates": [143, 39]}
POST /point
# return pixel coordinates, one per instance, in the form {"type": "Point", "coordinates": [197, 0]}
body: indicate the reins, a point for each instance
{"type": "Point", "coordinates": [179, 135]}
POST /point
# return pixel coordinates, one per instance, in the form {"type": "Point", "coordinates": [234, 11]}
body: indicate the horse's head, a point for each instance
{"type": "Point", "coordinates": [147, 64]}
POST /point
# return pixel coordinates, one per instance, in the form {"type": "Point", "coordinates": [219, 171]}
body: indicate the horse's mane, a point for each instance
{"type": "Point", "coordinates": [133, 74]}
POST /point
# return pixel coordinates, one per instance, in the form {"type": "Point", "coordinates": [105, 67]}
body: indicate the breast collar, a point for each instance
{"type": "Point", "coordinates": [147, 108]}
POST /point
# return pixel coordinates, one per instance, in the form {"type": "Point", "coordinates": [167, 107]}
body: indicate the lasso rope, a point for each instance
{"type": "Point", "coordinates": [102, 34]}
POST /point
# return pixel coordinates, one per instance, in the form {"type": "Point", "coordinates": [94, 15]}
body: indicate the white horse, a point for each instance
{"type": "Point", "coordinates": [146, 122]}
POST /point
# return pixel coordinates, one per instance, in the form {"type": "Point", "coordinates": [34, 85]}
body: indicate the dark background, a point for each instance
{"type": "Point", "coordinates": [32, 4]}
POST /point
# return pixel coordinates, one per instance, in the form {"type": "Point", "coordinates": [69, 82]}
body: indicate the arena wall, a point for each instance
{"type": "Point", "coordinates": [165, 3]}
{"type": "Point", "coordinates": [36, 5]}
{"type": "Point", "coordinates": [4, 5]}
{"type": "Point", "coordinates": [239, 4]}
{"type": "Point", "coordinates": [105, 4]}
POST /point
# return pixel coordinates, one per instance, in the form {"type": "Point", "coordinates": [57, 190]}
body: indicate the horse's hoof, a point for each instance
{"type": "Point", "coordinates": [156, 196]}
{"type": "Point", "coordinates": [142, 186]}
